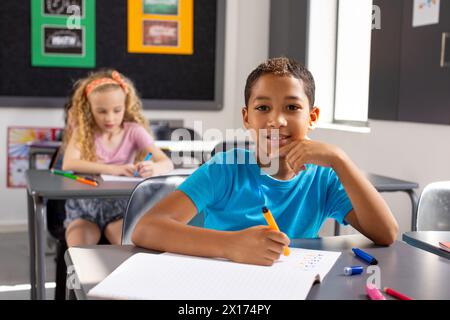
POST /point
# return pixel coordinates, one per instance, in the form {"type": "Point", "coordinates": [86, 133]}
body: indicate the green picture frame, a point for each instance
{"type": "Point", "coordinates": [56, 41]}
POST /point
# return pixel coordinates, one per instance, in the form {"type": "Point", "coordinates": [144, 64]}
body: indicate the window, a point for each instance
{"type": "Point", "coordinates": [339, 57]}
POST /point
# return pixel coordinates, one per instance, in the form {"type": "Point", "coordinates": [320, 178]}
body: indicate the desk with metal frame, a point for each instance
{"type": "Point", "coordinates": [387, 184]}
{"type": "Point", "coordinates": [41, 184]}
{"type": "Point", "coordinates": [414, 272]}
{"type": "Point", "coordinates": [429, 241]}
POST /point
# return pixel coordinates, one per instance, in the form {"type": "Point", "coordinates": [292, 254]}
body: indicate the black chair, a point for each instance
{"type": "Point", "coordinates": [180, 134]}
{"type": "Point", "coordinates": [56, 214]}
{"type": "Point", "coordinates": [162, 131]}
{"type": "Point", "coordinates": [228, 145]}
{"type": "Point", "coordinates": [144, 196]}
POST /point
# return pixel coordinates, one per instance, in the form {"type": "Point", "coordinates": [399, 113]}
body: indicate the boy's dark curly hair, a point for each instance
{"type": "Point", "coordinates": [282, 67]}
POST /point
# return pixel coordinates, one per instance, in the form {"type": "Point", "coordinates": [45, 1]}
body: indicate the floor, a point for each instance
{"type": "Point", "coordinates": [14, 267]}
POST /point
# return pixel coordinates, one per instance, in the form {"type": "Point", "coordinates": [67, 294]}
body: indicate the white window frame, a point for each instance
{"type": "Point", "coordinates": [340, 65]}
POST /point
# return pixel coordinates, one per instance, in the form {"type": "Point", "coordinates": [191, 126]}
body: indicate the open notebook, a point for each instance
{"type": "Point", "coordinates": [180, 171]}
{"type": "Point", "coordinates": [170, 276]}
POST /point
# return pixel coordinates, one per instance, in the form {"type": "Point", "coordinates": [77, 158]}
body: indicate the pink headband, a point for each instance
{"type": "Point", "coordinates": [115, 79]}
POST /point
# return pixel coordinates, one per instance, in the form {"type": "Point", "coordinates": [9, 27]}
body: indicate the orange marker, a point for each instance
{"type": "Point", "coordinates": [86, 181]}
{"type": "Point", "coordinates": [74, 177]}
{"type": "Point", "coordinates": [273, 225]}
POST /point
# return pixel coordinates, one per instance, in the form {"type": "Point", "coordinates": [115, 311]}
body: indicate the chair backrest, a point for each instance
{"type": "Point", "coordinates": [164, 132]}
{"type": "Point", "coordinates": [57, 159]}
{"type": "Point", "coordinates": [191, 158]}
{"type": "Point", "coordinates": [184, 133]}
{"type": "Point", "coordinates": [144, 196]}
{"type": "Point", "coordinates": [433, 212]}
{"type": "Point", "coordinates": [227, 145]}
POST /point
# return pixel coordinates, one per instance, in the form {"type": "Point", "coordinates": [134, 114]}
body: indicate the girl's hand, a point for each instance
{"type": "Point", "coordinates": [257, 245]}
{"type": "Point", "coordinates": [146, 169]}
{"type": "Point", "coordinates": [123, 170]}
{"type": "Point", "coordinates": [301, 152]}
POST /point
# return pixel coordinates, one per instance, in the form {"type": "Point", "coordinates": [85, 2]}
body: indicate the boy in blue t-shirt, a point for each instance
{"type": "Point", "coordinates": [302, 182]}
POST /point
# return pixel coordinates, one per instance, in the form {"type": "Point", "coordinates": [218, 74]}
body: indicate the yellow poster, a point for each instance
{"type": "Point", "coordinates": [161, 26]}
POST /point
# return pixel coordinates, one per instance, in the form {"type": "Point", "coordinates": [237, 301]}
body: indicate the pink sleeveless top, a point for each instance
{"type": "Point", "coordinates": [135, 139]}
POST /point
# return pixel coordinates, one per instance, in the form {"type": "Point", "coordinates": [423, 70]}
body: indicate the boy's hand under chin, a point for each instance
{"type": "Point", "coordinates": [301, 152]}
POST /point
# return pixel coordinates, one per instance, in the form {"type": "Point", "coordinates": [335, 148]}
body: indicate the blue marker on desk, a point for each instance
{"type": "Point", "coordinates": [365, 256]}
{"type": "Point", "coordinates": [350, 271]}
{"type": "Point", "coordinates": [147, 157]}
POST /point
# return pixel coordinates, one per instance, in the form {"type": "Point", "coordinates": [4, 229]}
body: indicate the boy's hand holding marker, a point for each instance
{"type": "Point", "coordinates": [256, 245]}
{"type": "Point", "coordinates": [261, 245]}
{"type": "Point", "coordinates": [273, 225]}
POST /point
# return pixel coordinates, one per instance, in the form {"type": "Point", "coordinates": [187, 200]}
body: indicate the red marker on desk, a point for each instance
{"type": "Point", "coordinates": [396, 294]}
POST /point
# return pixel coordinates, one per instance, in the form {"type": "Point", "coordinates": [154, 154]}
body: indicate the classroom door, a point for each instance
{"type": "Point", "coordinates": [424, 90]}
{"type": "Point", "coordinates": [407, 82]}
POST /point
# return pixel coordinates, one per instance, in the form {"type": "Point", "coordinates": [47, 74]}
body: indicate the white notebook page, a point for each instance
{"type": "Point", "coordinates": [180, 171]}
{"type": "Point", "coordinates": [170, 276]}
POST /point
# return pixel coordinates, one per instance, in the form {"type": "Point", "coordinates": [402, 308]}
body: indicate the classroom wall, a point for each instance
{"type": "Point", "coordinates": [244, 20]}
{"type": "Point", "coordinates": [410, 151]}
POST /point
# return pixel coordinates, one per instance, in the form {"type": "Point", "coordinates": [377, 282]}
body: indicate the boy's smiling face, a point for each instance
{"type": "Point", "coordinates": [278, 111]}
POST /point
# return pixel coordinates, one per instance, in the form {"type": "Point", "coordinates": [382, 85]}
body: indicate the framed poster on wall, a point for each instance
{"type": "Point", "coordinates": [161, 26]}
{"type": "Point", "coordinates": [63, 33]}
{"type": "Point", "coordinates": [19, 141]}
{"type": "Point", "coordinates": [164, 81]}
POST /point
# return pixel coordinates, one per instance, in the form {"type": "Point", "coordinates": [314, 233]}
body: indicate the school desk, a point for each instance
{"type": "Point", "coordinates": [41, 184]}
{"type": "Point", "coordinates": [197, 149]}
{"type": "Point", "coordinates": [44, 185]}
{"type": "Point", "coordinates": [411, 271]}
{"type": "Point", "coordinates": [429, 241]}
{"type": "Point", "coordinates": [387, 184]}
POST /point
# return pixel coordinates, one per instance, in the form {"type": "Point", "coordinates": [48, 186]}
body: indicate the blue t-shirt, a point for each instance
{"type": "Point", "coordinates": [231, 189]}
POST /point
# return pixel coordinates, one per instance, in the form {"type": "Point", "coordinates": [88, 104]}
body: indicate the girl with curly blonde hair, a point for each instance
{"type": "Point", "coordinates": [106, 133]}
